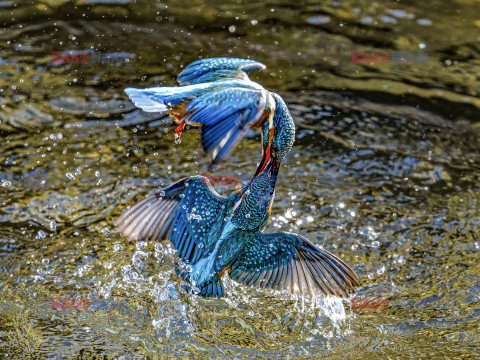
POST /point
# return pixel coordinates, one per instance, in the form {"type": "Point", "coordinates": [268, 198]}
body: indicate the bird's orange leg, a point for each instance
{"type": "Point", "coordinates": [178, 131]}
{"type": "Point", "coordinates": [177, 112]}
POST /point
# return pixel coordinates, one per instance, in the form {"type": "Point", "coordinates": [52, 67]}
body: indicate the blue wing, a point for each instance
{"type": "Point", "coordinates": [184, 213]}
{"type": "Point", "coordinates": [206, 70]}
{"type": "Point", "coordinates": [225, 116]}
{"type": "Point", "coordinates": [290, 262]}
{"type": "Point", "coordinates": [224, 110]}
{"type": "Point", "coordinates": [161, 99]}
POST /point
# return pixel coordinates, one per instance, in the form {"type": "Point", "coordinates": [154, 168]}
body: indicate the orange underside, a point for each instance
{"type": "Point", "coordinates": [260, 121]}
{"type": "Point", "coordinates": [271, 132]}
{"type": "Point", "coordinates": [178, 111]}
{"type": "Point", "coordinates": [180, 127]}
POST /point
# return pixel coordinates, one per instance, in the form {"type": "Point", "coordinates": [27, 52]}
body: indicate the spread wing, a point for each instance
{"type": "Point", "coordinates": [207, 70]}
{"type": "Point", "coordinates": [184, 213]}
{"type": "Point", "coordinates": [224, 111]}
{"type": "Point", "coordinates": [162, 99]}
{"type": "Point", "coordinates": [225, 116]}
{"type": "Point", "coordinates": [290, 262]}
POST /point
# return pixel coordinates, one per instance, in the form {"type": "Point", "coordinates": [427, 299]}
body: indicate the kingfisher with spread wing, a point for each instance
{"type": "Point", "coordinates": [214, 234]}
{"type": "Point", "coordinates": [217, 96]}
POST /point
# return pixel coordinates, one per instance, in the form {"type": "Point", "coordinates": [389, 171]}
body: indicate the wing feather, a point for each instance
{"type": "Point", "coordinates": [184, 213]}
{"type": "Point", "coordinates": [290, 262]}
{"type": "Point", "coordinates": [207, 70]}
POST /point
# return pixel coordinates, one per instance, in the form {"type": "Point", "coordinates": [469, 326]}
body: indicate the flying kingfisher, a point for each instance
{"type": "Point", "coordinates": [214, 234]}
{"type": "Point", "coordinates": [217, 96]}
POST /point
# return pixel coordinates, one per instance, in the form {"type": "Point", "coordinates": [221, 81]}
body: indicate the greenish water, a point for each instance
{"type": "Point", "coordinates": [384, 173]}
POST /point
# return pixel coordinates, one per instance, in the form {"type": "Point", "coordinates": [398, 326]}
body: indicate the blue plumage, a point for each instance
{"type": "Point", "coordinates": [206, 70]}
{"type": "Point", "coordinates": [214, 234]}
{"type": "Point", "coordinates": [216, 93]}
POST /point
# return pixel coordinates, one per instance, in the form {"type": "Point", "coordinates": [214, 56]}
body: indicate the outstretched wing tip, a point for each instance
{"type": "Point", "coordinates": [148, 219]}
{"type": "Point", "coordinates": [145, 101]}
{"type": "Point", "coordinates": [291, 263]}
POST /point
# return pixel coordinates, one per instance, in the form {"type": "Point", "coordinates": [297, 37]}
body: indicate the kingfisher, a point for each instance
{"type": "Point", "coordinates": [214, 235]}
{"type": "Point", "coordinates": [216, 95]}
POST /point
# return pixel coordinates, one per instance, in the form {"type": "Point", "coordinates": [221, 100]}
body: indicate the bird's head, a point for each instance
{"type": "Point", "coordinates": [277, 137]}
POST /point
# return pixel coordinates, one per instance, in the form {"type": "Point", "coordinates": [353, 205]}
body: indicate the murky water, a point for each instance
{"type": "Point", "coordinates": [384, 173]}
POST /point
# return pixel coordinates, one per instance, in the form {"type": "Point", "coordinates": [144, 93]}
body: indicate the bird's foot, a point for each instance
{"type": "Point", "coordinates": [178, 132]}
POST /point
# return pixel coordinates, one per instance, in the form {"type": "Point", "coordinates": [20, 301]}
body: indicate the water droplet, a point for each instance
{"type": "Point", "coordinates": [375, 244]}
{"type": "Point", "coordinates": [232, 28]}
{"type": "Point", "coordinates": [53, 225]}
{"type": "Point", "coordinates": [117, 247]}
{"type": "Point", "coordinates": [41, 234]}
{"type": "Point", "coordinates": [200, 246]}
{"type": "Point", "coordinates": [162, 193]}
{"type": "Point", "coordinates": [247, 216]}
{"type": "Point", "coordinates": [424, 22]}
{"type": "Point", "coordinates": [70, 176]}
{"type": "Point", "coordinates": [254, 22]}
{"type": "Point", "coordinates": [6, 183]}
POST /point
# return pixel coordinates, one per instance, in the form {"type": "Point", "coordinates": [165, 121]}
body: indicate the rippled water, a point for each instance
{"type": "Point", "coordinates": [384, 173]}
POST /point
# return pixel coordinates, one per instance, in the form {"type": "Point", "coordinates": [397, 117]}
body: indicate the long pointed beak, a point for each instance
{"type": "Point", "coordinates": [264, 162]}
{"type": "Point", "coordinates": [272, 169]}
{"type": "Point", "coordinates": [269, 165]}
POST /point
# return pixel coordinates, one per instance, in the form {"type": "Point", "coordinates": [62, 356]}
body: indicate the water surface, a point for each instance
{"type": "Point", "coordinates": [384, 173]}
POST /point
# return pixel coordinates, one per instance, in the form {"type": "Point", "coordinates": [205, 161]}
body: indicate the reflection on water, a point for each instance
{"type": "Point", "coordinates": [384, 172]}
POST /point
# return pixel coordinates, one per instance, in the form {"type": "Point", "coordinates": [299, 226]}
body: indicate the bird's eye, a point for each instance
{"type": "Point", "coordinates": [272, 191]}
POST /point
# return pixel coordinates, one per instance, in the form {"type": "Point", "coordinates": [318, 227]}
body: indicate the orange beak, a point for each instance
{"type": "Point", "coordinates": [264, 162]}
